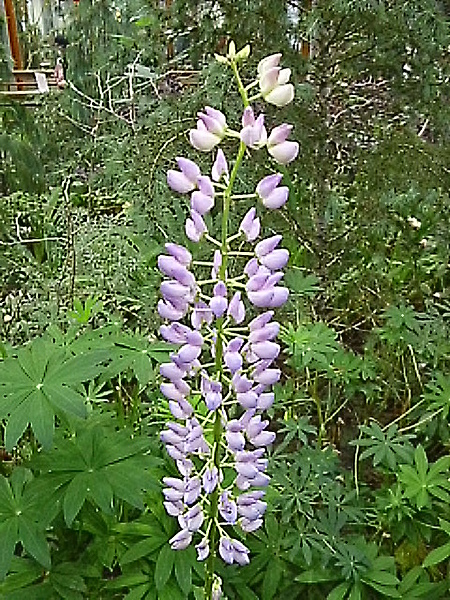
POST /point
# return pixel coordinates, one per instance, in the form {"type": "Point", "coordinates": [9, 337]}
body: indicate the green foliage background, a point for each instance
{"type": "Point", "coordinates": [359, 504]}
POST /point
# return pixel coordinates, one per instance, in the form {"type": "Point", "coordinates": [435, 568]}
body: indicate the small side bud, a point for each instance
{"type": "Point", "coordinates": [243, 54]}
{"type": "Point", "coordinates": [221, 59]}
{"type": "Point", "coordinates": [232, 50]}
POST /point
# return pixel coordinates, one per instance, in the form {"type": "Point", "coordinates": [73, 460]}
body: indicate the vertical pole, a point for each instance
{"type": "Point", "coordinates": [170, 48]}
{"type": "Point", "coordinates": [12, 34]}
{"type": "Point", "coordinates": [306, 49]}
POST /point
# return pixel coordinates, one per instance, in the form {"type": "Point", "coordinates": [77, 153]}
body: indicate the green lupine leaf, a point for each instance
{"type": "Point", "coordinates": [75, 496]}
{"type": "Point", "coordinates": [339, 592]}
{"type": "Point", "coordinates": [272, 580]}
{"type": "Point", "coordinates": [34, 541]}
{"type": "Point", "coordinates": [143, 548]}
{"type": "Point", "coordinates": [164, 565]}
{"type": "Point", "coordinates": [183, 570]}
{"type": "Point", "coordinates": [8, 537]}
{"type": "Point", "coordinates": [437, 555]}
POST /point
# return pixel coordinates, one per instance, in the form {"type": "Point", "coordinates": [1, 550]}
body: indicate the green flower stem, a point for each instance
{"type": "Point", "coordinates": [218, 427]}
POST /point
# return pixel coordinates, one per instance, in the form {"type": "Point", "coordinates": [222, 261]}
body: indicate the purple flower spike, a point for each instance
{"type": "Point", "coordinates": [195, 227]}
{"type": "Point", "coordinates": [282, 151]}
{"type": "Point", "coordinates": [236, 308]}
{"type": "Point", "coordinates": [185, 180]}
{"type": "Point", "coordinates": [250, 225]}
{"type": "Point", "coordinates": [271, 195]}
{"type": "Point", "coordinates": [220, 167]}
{"type": "Point", "coordinates": [181, 540]}
{"type": "Point", "coordinates": [253, 134]}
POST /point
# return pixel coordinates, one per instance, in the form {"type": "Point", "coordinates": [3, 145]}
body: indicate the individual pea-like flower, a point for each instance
{"type": "Point", "coordinates": [219, 302]}
{"type": "Point", "coordinates": [195, 226]}
{"type": "Point", "coordinates": [220, 167]}
{"type": "Point", "coordinates": [185, 180]}
{"type": "Point", "coordinates": [250, 225]}
{"type": "Point", "coordinates": [272, 196]}
{"type": "Point", "coordinates": [253, 133]}
{"type": "Point", "coordinates": [278, 146]}
{"type": "Point", "coordinates": [202, 200]}
{"type": "Point", "coordinates": [211, 129]}
{"type": "Point", "coordinates": [273, 81]}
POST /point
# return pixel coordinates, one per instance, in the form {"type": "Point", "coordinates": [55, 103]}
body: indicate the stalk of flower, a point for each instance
{"type": "Point", "coordinates": [220, 362]}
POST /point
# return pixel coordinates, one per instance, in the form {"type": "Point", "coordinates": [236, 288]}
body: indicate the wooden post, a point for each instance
{"type": "Point", "coordinates": [306, 48]}
{"type": "Point", "coordinates": [12, 34]}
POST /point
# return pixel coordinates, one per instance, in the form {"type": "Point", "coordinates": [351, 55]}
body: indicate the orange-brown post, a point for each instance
{"type": "Point", "coordinates": [306, 49]}
{"type": "Point", "coordinates": [12, 34]}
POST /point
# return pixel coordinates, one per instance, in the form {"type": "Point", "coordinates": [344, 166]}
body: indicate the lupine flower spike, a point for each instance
{"type": "Point", "coordinates": [229, 374]}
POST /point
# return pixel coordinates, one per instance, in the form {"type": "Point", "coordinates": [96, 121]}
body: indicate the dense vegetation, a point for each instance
{"type": "Point", "coordinates": [359, 503]}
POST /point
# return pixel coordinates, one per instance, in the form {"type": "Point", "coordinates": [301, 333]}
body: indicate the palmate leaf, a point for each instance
{"type": "Point", "coordinates": [40, 382]}
{"type": "Point", "coordinates": [99, 464]}
{"type": "Point", "coordinates": [21, 520]}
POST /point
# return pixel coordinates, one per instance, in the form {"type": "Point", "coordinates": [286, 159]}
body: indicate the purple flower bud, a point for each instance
{"type": "Point", "coordinates": [186, 180]}
{"type": "Point", "coordinates": [201, 314]}
{"type": "Point", "coordinates": [232, 358]}
{"type": "Point", "coordinates": [263, 439]}
{"type": "Point", "coordinates": [202, 549]}
{"type": "Point", "coordinates": [277, 145]}
{"type": "Point", "coordinates": [266, 350]}
{"type": "Point", "coordinates": [210, 479]}
{"type": "Point", "coordinates": [240, 553]}
{"type": "Point", "coordinates": [217, 263]}
{"type": "Point", "coordinates": [171, 371]}
{"type": "Point", "coordinates": [182, 255]}
{"type": "Point", "coordinates": [253, 134]}
{"type": "Point", "coordinates": [192, 519]}
{"type": "Point", "coordinates": [235, 441]}
{"type": "Point", "coordinates": [272, 197]}
{"type": "Point", "coordinates": [172, 391]}
{"type": "Point", "coordinates": [251, 268]}
{"type": "Point", "coordinates": [236, 308]}
{"type": "Point", "coordinates": [201, 203]}
{"type": "Point", "coordinates": [261, 320]}
{"type": "Point", "coordinates": [276, 260]}
{"type": "Point", "coordinates": [195, 227]}
{"type": "Point", "coordinates": [228, 508]}
{"type": "Point", "coordinates": [241, 383]}
{"type": "Point", "coordinates": [172, 268]}
{"type": "Point", "coordinates": [265, 401]}
{"type": "Point", "coordinates": [226, 550]}
{"type": "Point", "coordinates": [185, 466]}
{"type": "Point", "coordinates": [193, 490]}
{"type": "Point", "coordinates": [267, 332]}
{"type": "Point", "coordinates": [180, 409]}
{"type": "Point", "coordinates": [220, 167]}
{"type": "Point", "coordinates": [167, 310]}
{"type": "Point", "coordinates": [188, 353]}
{"type": "Point", "coordinates": [247, 400]}
{"type": "Point", "coordinates": [181, 540]}
{"type": "Point", "coordinates": [249, 526]}
{"type": "Point", "coordinates": [211, 128]}
{"type": "Point", "coordinates": [268, 245]}
{"type": "Point", "coordinates": [213, 397]}
{"type": "Point", "coordinates": [250, 225]}
{"type": "Point", "coordinates": [175, 333]}
{"type": "Point", "coordinates": [269, 298]}
{"type": "Point", "coordinates": [219, 302]}
{"type": "Point", "coordinates": [173, 495]}
{"type": "Point", "coordinates": [266, 376]}
{"type": "Point", "coordinates": [174, 508]}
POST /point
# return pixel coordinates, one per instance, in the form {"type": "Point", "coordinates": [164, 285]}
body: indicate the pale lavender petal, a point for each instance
{"type": "Point", "coordinates": [182, 255]}
{"type": "Point", "coordinates": [279, 135]}
{"type": "Point", "coordinates": [261, 320]}
{"type": "Point", "coordinates": [240, 553]}
{"type": "Point", "coordinates": [284, 153]}
{"type": "Point", "coordinates": [267, 332]}
{"type": "Point", "coordinates": [203, 140]}
{"type": "Point", "coordinates": [267, 245]}
{"type": "Point", "coordinates": [267, 185]}
{"type": "Point", "coordinates": [226, 550]}
{"type": "Point", "coordinates": [220, 167]}
{"type": "Point", "coordinates": [249, 526]}
{"type": "Point", "coordinates": [201, 203]}
{"type": "Point", "coordinates": [188, 168]}
{"type": "Point", "coordinates": [281, 95]}
{"type": "Point", "coordinates": [277, 198]}
{"type": "Point", "coordinates": [181, 540]}
{"type": "Point", "coordinates": [179, 182]}
{"type": "Point", "coordinates": [166, 310]}
{"type": "Point", "coordinates": [236, 308]}
{"type": "Point", "coordinates": [268, 63]}
{"type": "Point", "coordinates": [202, 550]}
